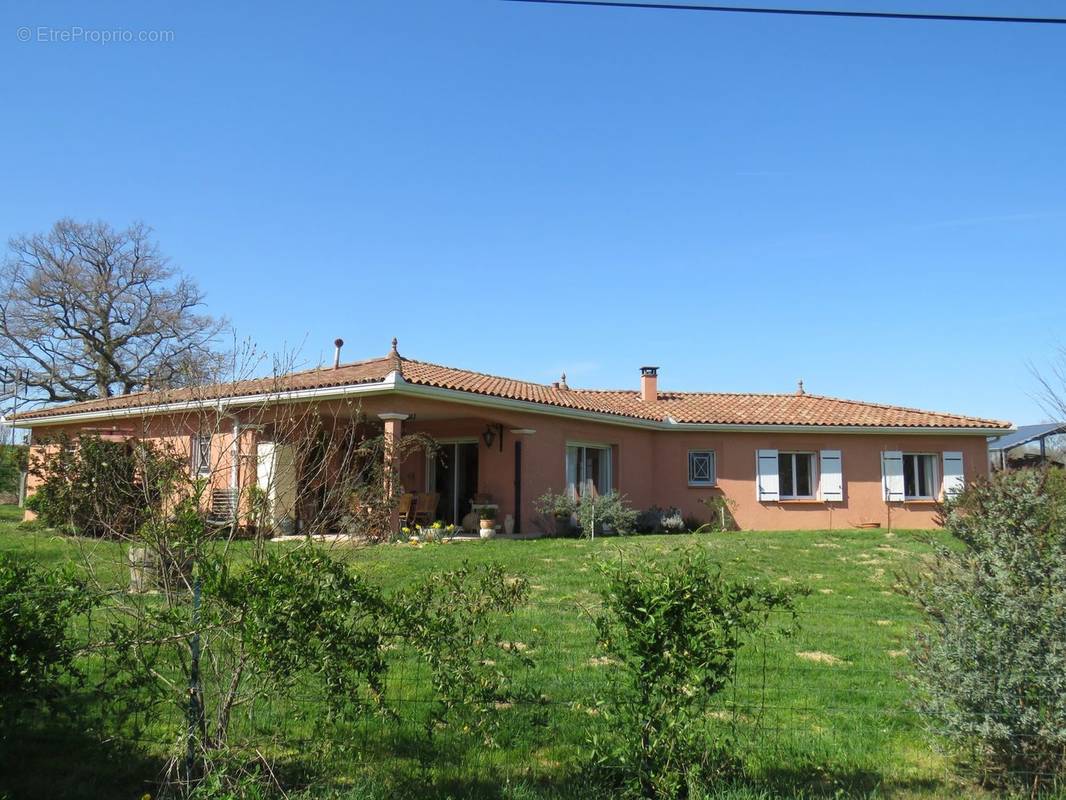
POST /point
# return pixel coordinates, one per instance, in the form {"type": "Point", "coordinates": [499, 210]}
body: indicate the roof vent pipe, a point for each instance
{"type": "Point", "coordinates": [337, 344]}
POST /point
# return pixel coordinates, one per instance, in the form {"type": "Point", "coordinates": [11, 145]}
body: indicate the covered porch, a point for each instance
{"type": "Point", "coordinates": [438, 463]}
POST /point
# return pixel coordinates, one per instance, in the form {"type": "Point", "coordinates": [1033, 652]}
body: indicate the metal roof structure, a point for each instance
{"type": "Point", "coordinates": [1024, 435]}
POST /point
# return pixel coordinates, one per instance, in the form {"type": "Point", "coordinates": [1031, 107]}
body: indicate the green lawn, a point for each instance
{"type": "Point", "coordinates": [821, 714]}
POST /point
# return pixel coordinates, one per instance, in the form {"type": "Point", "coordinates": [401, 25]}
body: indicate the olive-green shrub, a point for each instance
{"type": "Point", "coordinates": [989, 668]}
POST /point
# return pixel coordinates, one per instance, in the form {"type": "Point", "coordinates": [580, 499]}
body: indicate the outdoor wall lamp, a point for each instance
{"type": "Point", "coordinates": [490, 434]}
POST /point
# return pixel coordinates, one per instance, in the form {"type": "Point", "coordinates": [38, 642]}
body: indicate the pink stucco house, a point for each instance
{"type": "Point", "coordinates": [785, 461]}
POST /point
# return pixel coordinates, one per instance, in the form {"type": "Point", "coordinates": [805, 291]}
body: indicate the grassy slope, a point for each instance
{"type": "Point", "coordinates": [832, 721]}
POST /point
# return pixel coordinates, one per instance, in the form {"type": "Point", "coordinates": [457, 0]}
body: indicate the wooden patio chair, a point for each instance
{"type": "Point", "coordinates": [425, 508]}
{"type": "Point", "coordinates": [407, 507]}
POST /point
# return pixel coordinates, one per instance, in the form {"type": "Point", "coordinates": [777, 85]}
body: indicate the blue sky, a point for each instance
{"type": "Point", "coordinates": [876, 207]}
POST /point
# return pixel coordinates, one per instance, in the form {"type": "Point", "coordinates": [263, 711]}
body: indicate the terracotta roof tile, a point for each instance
{"type": "Point", "coordinates": [683, 407]}
{"type": "Point", "coordinates": [352, 374]}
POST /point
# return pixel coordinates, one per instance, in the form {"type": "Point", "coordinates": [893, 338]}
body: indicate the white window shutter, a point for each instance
{"type": "Point", "coordinates": [831, 480]}
{"type": "Point", "coordinates": [766, 483]}
{"type": "Point", "coordinates": [892, 475]}
{"type": "Point", "coordinates": [954, 477]}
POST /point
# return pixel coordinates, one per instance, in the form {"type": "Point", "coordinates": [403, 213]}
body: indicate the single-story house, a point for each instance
{"type": "Point", "coordinates": [782, 461]}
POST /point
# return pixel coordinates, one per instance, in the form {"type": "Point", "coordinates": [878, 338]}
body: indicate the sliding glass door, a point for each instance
{"type": "Point", "coordinates": [453, 474]}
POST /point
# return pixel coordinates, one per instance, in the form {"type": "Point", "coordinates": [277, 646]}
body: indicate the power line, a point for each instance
{"type": "Point", "coordinates": [805, 12]}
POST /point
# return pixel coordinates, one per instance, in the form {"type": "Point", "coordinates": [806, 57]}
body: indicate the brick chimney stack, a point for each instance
{"type": "Point", "coordinates": [649, 384]}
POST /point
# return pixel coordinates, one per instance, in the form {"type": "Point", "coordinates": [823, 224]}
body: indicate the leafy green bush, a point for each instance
{"type": "Point", "coordinates": [302, 612]}
{"type": "Point", "coordinates": [278, 623]}
{"type": "Point", "coordinates": [990, 666]}
{"type": "Point", "coordinates": [447, 620]}
{"type": "Point", "coordinates": [12, 463]}
{"type": "Point", "coordinates": [35, 503]}
{"type": "Point", "coordinates": [101, 488]}
{"type": "Point", "coordinates": [37, 646]}
{"type": "Point", "coordinates": [675, 630]}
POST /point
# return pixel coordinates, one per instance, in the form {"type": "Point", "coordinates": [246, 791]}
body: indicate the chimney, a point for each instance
{"type": "Point", "coordinates": [338, 344]}
{"type": "Point", "coordinates": [649, 384]}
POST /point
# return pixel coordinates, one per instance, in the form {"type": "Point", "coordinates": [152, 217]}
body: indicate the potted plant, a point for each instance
{"type": "Point", "coordinates": [434, 532]}
{"type": "Point", "coordinates": [488, 522]}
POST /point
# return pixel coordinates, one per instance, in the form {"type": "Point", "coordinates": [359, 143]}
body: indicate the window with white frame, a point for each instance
{"type": "Point", "coordinates": [701, 468]}
{"type": "Point", "coordinates": [201, 454]}
{"type": "Point", "coordinates": [919, 476]}
{"type": "Point", "coordinates": [588, 470]}
{"type": "Point", "coordinates": [795, 474]}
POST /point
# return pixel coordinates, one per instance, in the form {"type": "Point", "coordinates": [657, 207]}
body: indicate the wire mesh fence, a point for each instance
{"type": "Point", "coordinates": [825, 710]}
{"type": "Point", "coordinates": [788, 710]}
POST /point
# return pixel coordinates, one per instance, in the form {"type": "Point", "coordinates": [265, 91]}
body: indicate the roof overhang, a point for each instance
{"type": "Point", "coordinates": [395, 384]}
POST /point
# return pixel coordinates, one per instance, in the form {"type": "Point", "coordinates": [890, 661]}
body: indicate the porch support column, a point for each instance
{"type": "Point", "coordinates": [393, 433]}
{"type": "Point", "coordinates": [519, 434]}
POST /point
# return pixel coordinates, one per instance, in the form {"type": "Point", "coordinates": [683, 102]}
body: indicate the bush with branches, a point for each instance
{"type": "Point", "coordinates": [38, 608]}
{"type": "Point", "coordinates": [608, 512]}
{"type": "Point", "coordinates": [657, 519]}
{"type": "Point", "coordinates": [674, 630]}
{"type": "Point", "coordinates": [447, 620]}
{"type": "Point", "coordinates": [94, 487]}
{"type": "Point", "coordinates": [721, 515]}
{"type": "Point", "coordinates": [13, 461]}
{"type": "Point", "coordinates": [990, 666]}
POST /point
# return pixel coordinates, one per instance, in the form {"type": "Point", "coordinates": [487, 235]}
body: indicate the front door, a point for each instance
{"type": "Point", "coordinates": [455, 478]}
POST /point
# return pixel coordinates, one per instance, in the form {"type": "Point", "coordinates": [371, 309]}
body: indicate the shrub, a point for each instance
{"type": "Point", "coordinates": [648, 520]}
{"type": "Point", "coordinates": [556, 511]}
{"type": "Point", "coordinates": [675, 630]}
{"type": "Point", "coordinates": [279, 624]}
{"type": "Point", "coordinates": [657, 519]}
{"type": "Point", "coordinates": [12, 463]}
{"type": "Point", "coordinates": [35, 503]}
{"type": "Point", "coordinates": [990, 666]}
{"type": "Point", "coordinates": [609, 512]}
{"type": "Point", "coordinates": [100, 488]}
{"type": "Point", "coordinates": [673, 521]}
{"type": "Point", "coordinates": [721, 513]}
{"type": "Point", "coordinates": [37, 647]}
{"type": "Point", "coordinates": [303, 612]}
{"type": "Point", "coordinates": [447, 620]}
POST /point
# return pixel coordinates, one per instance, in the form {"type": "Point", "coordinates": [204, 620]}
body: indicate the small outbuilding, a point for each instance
{"type": "Point", "coordinates": [1025, 447]}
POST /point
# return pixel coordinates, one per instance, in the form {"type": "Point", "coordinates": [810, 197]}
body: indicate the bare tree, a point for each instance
{"type": "Point", "coordinates": [87, 311]}
{"type": "Point", "coordinates": [1052, 393]}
